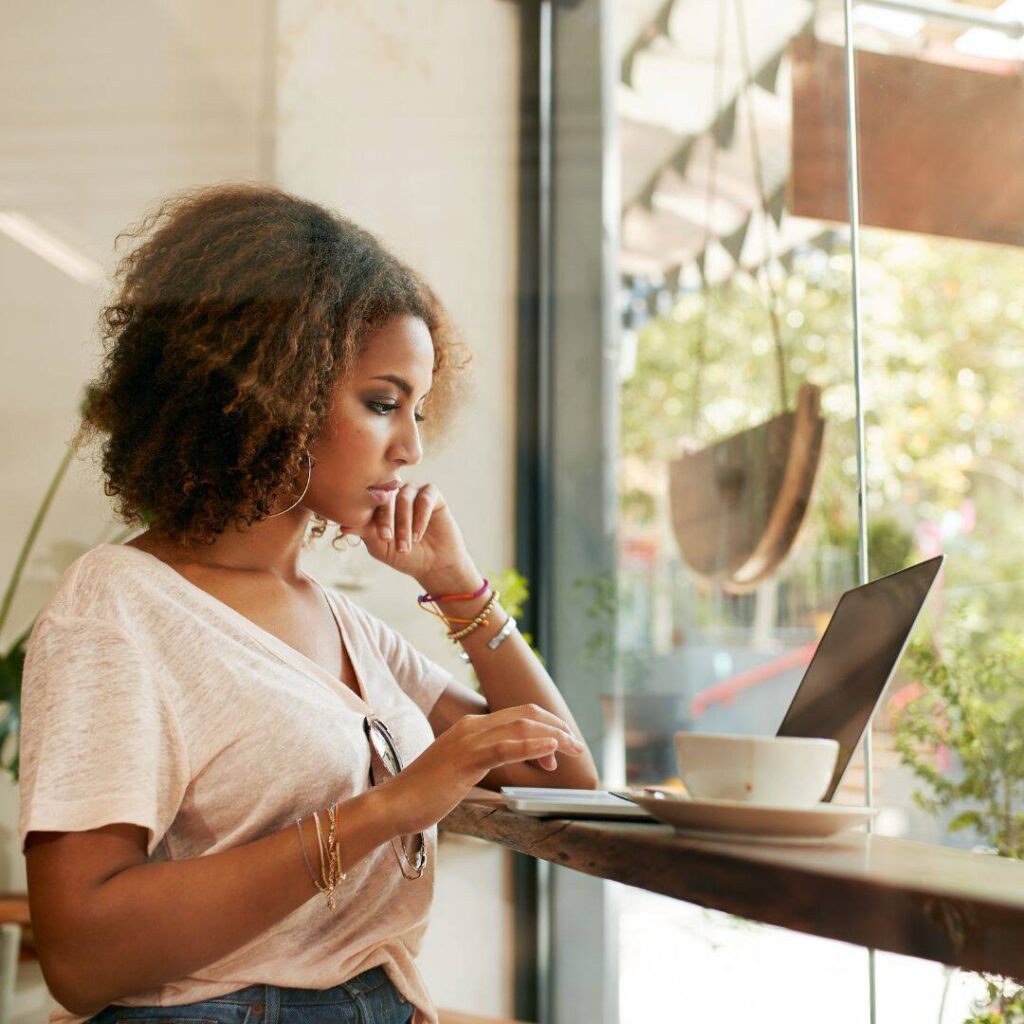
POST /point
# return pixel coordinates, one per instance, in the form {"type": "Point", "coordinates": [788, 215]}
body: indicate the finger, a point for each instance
{"type": "Point", "coordinates": [536, 713]}
{"type": "Point", "coordinates": [567, 743]}
{"type": "Point", "coordinates": [403, 517]}
{"type": "Point", "coordinates": [513, 721]}
{"type": "Point", "coordinates": [423, 509]}
{"type": "Point", "coordinates": [548, 762]}
{"type": "Point", "coordinates": [380, 522]}
{"type": "Point", "coordinates": [384, 518]}
{"type": "Point", "coordinates": [512, 751]}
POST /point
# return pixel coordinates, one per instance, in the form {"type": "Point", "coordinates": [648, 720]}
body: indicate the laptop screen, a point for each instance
{"type": "Point", "coordinates": [855, 659]}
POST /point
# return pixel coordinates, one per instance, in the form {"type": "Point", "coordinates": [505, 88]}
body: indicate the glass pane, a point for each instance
{"type": "Point", "coordinates": [738, 458]}
{"type": "Point", "coordinates": [680, 962]}
{"type": "Point", "coordinates": [943, 328]}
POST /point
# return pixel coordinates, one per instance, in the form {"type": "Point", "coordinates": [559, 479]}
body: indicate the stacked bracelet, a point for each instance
{"type": "Point", "coordinates": [426, 600]}
{"type": "Point", "coordinates": [457, 634]}
{"type": "Point", "coordinates": [330, 861]}
{"type": "Point", "coordinates": [481, 620]}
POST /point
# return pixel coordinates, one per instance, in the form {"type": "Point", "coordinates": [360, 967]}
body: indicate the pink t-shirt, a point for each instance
{"type": "Point", "coordinates": [147, 700]}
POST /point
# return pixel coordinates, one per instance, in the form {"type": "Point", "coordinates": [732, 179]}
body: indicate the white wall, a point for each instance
{"type": "Point", "coordinates": [401, 115]}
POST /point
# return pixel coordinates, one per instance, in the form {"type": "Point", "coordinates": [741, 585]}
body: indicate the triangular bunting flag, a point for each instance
{"type": "Point", "coordinates": [626, 73]}
{"type": "Point", "coordinates": [826, 241]}
{"type": "Point", "coordinates": [733, 242]}
{"type": "Point", "coordinates": [646, 197]}
{"type": "Point", "coordinates": [768, 77]}
{"type": "Point", "coordinates": [672, 278]}
{"type": "Point", "coordinates": [724, 127]}
{"type": "Point", "coordinates": [681, 160]}
{"type": "Point", "coordinates": [650, 32]}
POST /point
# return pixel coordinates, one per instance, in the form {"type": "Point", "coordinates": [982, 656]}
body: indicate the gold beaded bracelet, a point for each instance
{"type": "Point", "coordinates": [481, 620]}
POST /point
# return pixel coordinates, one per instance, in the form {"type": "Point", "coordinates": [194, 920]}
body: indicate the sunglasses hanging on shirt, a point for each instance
{"type": "Point", "coordinates": [386, 763]}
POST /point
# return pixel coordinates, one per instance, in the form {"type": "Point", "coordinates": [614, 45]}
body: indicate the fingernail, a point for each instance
{"type": "Point", "coordinates": [386, 533]}
{"type": "Point", "coordinates": [403, 545]}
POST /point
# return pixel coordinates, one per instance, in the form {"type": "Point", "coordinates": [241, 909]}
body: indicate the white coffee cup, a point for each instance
{"type": "Point", "coordinates": [789, 771]}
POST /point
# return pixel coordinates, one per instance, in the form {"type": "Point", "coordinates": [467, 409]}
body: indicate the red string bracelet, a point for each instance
{"type": "Point", "coordinates": [446, 619]}
{"type": "Point", "coordinates": [435, 598]}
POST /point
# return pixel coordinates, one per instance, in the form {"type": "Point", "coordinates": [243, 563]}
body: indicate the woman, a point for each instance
{"type": "Point", "coordinates": [215, 814]}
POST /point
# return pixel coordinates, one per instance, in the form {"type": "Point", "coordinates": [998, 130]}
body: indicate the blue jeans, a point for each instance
{"type": "Point", "coordinates": [368, 998]}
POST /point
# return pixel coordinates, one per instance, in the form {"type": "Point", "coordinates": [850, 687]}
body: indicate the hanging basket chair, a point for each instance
{"type": "Point", "coordinates": [738, 505]}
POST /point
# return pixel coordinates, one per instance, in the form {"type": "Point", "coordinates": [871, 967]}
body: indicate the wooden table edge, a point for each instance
{"type": "Point", "coordinates": [937, 922]}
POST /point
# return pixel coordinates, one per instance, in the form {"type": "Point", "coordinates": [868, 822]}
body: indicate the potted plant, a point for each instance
{"type": "Point", "coordinates": [12, 661]}
{"type": "Point", "coordinates": [962, 735]}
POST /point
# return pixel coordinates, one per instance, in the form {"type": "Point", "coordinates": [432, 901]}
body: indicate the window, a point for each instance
{"type": "Point", "coordinates": [734, 334]}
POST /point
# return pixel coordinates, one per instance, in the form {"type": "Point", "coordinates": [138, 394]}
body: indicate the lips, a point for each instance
{"type": "Point", "coordinates": [382, 493]}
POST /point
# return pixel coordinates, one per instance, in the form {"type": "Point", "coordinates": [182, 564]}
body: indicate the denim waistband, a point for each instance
{"type": "Point", "coordinates": [370, 995]}
{"type": "Point", "coordinates": [367, 981]}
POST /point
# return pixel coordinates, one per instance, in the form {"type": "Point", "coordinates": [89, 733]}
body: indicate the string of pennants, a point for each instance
{"type": "Point", "coordinates": [723, 130]}
{"type": "Point", "coordinates": [643, 297]}
{"type": "Point", "coordinates": [766, 77]}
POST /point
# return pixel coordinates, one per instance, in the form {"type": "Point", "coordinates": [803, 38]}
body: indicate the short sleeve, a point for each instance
{"type": "Point", "coordinates": [99, 741]}
{"type": "Point", "coordinates": [422, 680]}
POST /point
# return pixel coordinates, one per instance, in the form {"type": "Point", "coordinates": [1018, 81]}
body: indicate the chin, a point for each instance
{"type": "Point", "coordinates": [352, 519]}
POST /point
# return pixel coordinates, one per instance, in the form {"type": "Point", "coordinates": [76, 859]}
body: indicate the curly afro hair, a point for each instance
{"type": "Point", "coordinates": [233, 319]}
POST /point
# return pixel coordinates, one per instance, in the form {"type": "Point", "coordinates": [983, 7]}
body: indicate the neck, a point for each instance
{"type": "Point", "coordinates": [270, 546]}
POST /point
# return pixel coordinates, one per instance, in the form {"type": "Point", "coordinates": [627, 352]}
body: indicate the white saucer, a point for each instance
{"type": "Point", "coordinates": [742, 819]}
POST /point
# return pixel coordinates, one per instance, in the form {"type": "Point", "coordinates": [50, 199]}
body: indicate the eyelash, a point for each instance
{"type": "Point", "coordinates": [383, 408]}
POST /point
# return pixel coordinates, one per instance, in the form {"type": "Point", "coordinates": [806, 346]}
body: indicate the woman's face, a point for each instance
{"type": "Point", "coordinates": [372, 433]}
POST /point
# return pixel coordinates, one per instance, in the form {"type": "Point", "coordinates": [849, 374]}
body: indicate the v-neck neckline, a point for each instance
{"type": "Point", "coordinates": [271, 642]}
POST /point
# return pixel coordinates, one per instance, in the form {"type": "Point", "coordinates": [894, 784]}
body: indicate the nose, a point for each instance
{"type": "Point", "coordinates": [407, 448]}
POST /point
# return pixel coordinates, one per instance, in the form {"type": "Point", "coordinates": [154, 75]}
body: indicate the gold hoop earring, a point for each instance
{"type": "Point", "coordinates": [309, 477]}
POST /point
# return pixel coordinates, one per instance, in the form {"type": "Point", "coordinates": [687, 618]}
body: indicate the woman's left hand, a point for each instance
{"type": "Point", "coordinates": [436, 555]}
{"type": "Point", "coordinates": [419, 517]}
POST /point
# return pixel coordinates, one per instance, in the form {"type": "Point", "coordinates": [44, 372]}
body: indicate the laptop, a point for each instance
{"type": "Point", "coordinates": [837, 696]}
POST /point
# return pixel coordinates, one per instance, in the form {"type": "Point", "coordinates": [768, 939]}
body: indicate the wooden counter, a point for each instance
{"type": "Point", "coordinates": [960, 908]}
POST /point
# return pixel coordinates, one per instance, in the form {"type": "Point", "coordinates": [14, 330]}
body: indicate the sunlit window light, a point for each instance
{"type": "Point", "coordinates": [25, 231]}
{"type": "Point", "coordinates": [897, 23]}
{"type": "Point", "coordinates": [984, 42]}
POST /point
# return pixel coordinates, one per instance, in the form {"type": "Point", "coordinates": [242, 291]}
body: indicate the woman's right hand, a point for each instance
{"type": "Point", "coordinates": [436, 782]}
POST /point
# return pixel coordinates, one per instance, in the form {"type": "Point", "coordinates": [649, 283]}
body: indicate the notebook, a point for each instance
{"type": "Point", "coordinates": [542, 802]}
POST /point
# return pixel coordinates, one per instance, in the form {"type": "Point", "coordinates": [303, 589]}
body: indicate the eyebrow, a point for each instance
{"type": "Point", "coordinates": [400, 382]}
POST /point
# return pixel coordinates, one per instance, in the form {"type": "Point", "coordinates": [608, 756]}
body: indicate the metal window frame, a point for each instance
{"type": "Point", "coordinates": [566, 503]}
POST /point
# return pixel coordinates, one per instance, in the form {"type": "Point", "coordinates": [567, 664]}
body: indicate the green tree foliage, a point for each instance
{"type": "Point", "coordinates": [943, 344]}
{"type": "Point", "coordinates": [971, 704]}
{"type": "Point", "coordinates": [1002, 1004]}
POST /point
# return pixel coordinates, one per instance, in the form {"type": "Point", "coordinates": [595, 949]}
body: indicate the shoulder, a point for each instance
{"type": "Point", "coordinates": [108, 583]}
